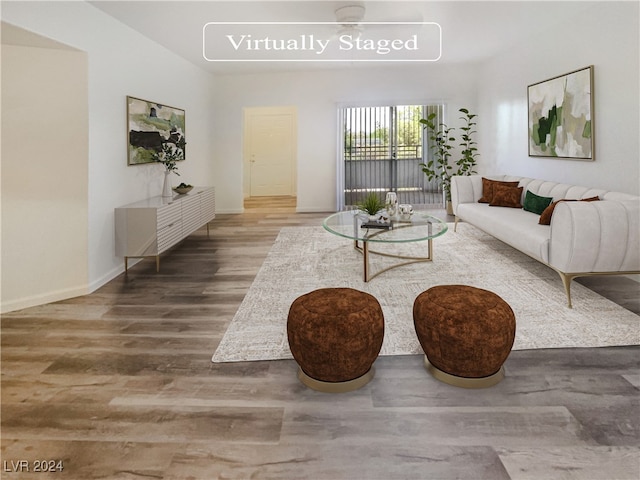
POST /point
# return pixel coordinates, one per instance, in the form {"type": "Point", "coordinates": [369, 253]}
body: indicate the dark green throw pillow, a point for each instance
{"type": "Point", "coordinates": [535, 203]}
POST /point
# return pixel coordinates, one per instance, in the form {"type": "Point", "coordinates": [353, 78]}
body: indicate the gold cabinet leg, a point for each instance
{"type": "Point", "coordinates": [157, 263]}
{"type": "Point", "coordinates": [126, 264]}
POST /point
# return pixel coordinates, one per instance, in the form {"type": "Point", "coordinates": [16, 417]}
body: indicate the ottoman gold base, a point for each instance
{"type": "Point", "coordinates": [463, 382]}
{"type": "Point", "coordinates": [336, 387]}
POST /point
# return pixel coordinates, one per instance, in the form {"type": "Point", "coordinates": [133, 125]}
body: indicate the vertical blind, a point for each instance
{"type": "Point", "coordinates": [382, 148]}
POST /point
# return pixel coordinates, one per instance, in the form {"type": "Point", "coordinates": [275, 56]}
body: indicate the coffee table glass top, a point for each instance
{"type": "Point", "coordinates": [420, 226]}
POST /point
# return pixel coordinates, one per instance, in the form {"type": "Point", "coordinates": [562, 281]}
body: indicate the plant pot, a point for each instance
{"type": "Point", "coordinates": [449, 208]}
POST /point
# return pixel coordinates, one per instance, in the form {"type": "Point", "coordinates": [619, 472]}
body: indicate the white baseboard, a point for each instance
{"type": "Point", "coordinates": [110, 275]}
{"type": "Point", "coordinates": [229, 211]}
{"type": "Point", "coordinates": [314, 210]}
{"type": "Point", "coordinates": [49, 297]}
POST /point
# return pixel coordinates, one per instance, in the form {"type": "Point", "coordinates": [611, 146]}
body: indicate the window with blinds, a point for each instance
{"type": "Point", "coordinates": [382, 150]}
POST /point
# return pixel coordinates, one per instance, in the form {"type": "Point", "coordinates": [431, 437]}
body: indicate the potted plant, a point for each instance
{"type": "Point", "coordinates": [441, 146]}
{"type": "Point", "coordinates": [371, 205]}
{"type": "Point", "coordinates": [442, 141]}
{"type": "Point", "coordinates": [467, 163]}
{"type": "Point", "coordinates": [169, 155]}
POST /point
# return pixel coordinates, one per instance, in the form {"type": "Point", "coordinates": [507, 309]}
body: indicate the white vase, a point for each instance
{"type": "Point", "coordinates": [166, 188]}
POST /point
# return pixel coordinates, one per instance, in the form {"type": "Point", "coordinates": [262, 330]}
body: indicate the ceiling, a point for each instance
{"type": "Point", "coordinates": [472, 31]}
{"type": "Point", "coordinates": [12, 35]}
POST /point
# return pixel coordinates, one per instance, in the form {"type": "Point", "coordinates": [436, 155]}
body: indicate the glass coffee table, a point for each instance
{"type": "Point", "coordinates": [353, 225]}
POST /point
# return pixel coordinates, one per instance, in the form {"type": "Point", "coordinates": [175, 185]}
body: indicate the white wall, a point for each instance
{"type": "Point", "coordinates": [44, 175]}
{"type": "Point", "coordinates": [317, 96]}
{"type": "Point", "coordinates": [123, 62]}
{"type": "Point", "coordinates": [606, 36]}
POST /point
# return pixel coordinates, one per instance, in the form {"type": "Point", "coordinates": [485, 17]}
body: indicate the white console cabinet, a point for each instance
{"type": "Point", "coordinates": [150, 227]}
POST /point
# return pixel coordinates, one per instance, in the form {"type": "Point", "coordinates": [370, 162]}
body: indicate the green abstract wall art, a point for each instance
{"type": "Point", "coordinates": [152, 125]}
{"type": "Point", "coordinates": [561, 116]}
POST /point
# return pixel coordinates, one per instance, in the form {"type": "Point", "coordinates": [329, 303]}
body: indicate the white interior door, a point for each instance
{"type": "Point", "coordinates": [270, 147]}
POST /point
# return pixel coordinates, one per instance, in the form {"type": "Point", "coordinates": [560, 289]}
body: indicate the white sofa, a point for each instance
{"type": "Point", "coordinates": [584, 238]}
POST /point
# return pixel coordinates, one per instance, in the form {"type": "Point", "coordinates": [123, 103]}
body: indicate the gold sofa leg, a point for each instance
{"type": "Point", "coordinates": [455, 224]}
{"type": "Point", "coordinates": [568, 277]}
{"type": "Point", "coordinates": [566, 281]}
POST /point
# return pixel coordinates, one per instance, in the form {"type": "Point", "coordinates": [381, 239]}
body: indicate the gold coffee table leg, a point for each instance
{"type": "Point", "coordinates": [366, 253]}
{"type": "Point", "coordinates": [365, 256]}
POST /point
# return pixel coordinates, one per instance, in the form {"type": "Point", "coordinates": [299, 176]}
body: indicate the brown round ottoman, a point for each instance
{"type": "Point", "coordinates": [335, 335]}
{"type": "Point", "coordinates": [466, 334]}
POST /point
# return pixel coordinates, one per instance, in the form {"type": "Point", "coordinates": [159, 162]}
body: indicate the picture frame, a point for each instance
{"type": "Point", "coordinates": [561, 116]}
{"type": "Point", "coordinates": [150, 125]}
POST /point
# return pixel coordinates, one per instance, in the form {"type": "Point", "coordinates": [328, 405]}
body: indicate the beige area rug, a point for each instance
{"type": "Point", "coordinates": [306, 258]}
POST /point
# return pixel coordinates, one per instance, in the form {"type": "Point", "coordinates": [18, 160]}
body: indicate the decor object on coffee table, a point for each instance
{"type": "Point", "coordinates": [335, 335]}
{"type": "Point", "coordinates": [466, 334]}
{"type": "Point", "coordinates": [371, 205]}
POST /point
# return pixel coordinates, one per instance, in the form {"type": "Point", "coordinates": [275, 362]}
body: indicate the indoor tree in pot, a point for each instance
{"type": "Point", "coordinates": [467, 163]}
{"type": "Point", "coordinates": [441, 146]}
{"type": "Point", "coordinates": [442, 140]}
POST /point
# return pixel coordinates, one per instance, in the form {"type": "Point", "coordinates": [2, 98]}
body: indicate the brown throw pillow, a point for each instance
{"type": "Point", "coordinates": [505, 196]}
{"type": "Point", "coordinates": [545, 216]}
{"type": "Point", "coordinates": [488, 186]}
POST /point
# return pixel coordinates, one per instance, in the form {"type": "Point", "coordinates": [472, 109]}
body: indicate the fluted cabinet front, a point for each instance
{"type": "Point", "coordinates": [150, 227]}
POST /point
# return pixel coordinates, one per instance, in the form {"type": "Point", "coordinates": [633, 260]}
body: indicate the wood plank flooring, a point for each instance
{"type": "Point", "coordinates": [119, 385]}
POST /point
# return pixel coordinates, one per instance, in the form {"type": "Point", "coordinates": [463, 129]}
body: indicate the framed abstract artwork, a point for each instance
{"type": "Point", "coordinates": [561, 116]}
{"type": "Point", "coordinates": [151, 126]}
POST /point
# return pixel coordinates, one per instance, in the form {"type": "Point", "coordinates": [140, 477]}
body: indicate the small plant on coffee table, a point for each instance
{"type": "Point", "coordinates": [372, 204]}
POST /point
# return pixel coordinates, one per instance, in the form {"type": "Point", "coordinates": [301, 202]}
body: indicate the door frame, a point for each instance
{"type": "Point", "coordinates": [249, 112]}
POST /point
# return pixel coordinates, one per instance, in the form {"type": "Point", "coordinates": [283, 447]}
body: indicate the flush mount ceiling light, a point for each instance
{"type": "Point", "coordinates": [350, 14]}
{"type": "Point", "coordinates": [349, 18]}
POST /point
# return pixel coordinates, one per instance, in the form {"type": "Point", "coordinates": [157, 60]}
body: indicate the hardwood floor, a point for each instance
{"type": "Point", "coordinates": [119, 384]}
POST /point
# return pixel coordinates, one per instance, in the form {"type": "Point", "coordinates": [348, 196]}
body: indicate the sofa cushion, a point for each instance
{"type": "Point", "coordinates": [535, 203]}
{"type": "Point", "coordinates": [506, 196]}
{"type": "Point", "coordinates": [545, 216]}
{"type": "Point", "coordinates": [516, 227]}
{"type": "Point", "coordinates": [488, 187]}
